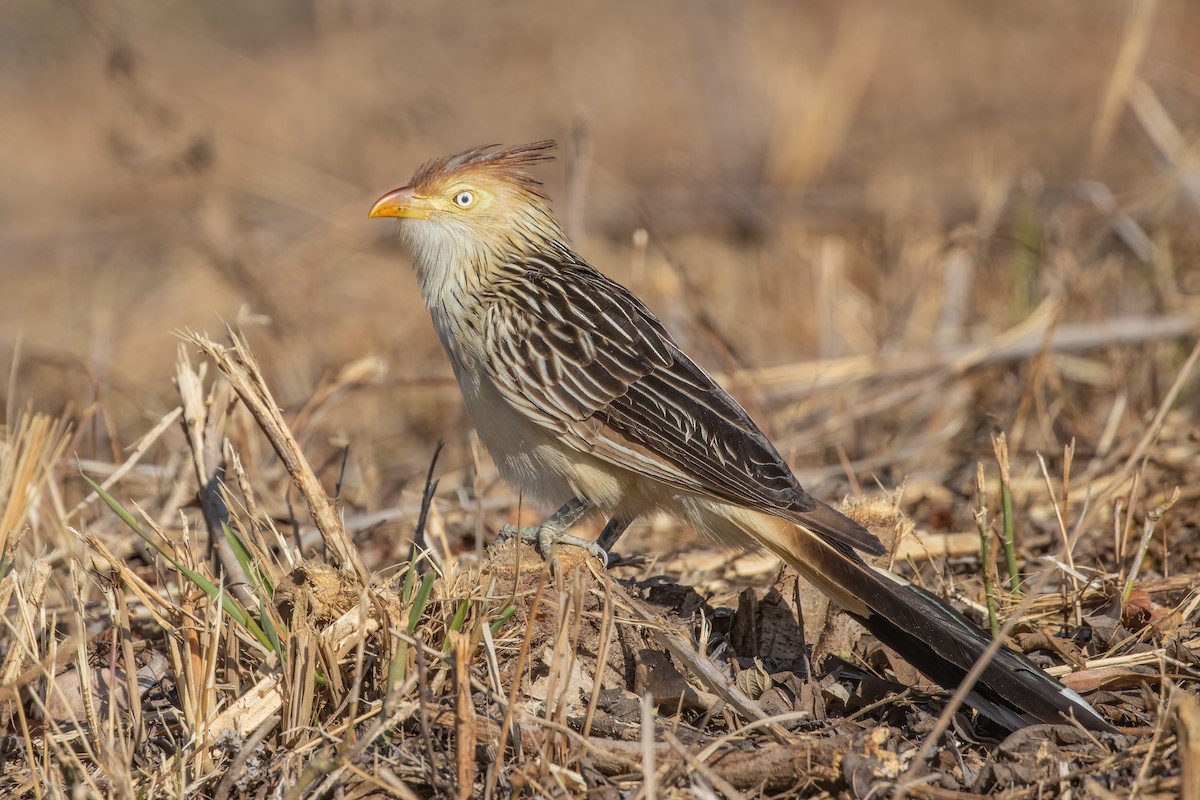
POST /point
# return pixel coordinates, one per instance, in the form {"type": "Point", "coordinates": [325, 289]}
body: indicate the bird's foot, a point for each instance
{"type": "Point", "coordinates": [546, 537]}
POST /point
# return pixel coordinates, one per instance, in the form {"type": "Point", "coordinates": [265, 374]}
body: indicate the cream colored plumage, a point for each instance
{"type": "Point", "coordinates": [585, 401]}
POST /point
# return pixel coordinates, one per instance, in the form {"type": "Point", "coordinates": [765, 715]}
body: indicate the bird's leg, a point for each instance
{"type": "Point", "coordinates": [554, 531]}
{"type": "Point", "coordinates": [612, 531]}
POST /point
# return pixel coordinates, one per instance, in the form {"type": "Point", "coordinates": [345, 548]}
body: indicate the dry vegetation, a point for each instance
{"type": "Point", "coordinates": [902, 233]}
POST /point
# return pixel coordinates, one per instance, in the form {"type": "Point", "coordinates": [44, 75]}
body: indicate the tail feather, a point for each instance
{"type": "Point", "coordinates": [928, 633]}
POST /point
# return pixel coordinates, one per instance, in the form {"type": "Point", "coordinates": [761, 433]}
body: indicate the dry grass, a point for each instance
{"type": "Point", "coordinates": [895, 232]}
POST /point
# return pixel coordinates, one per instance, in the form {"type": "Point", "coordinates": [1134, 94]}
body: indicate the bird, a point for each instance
{"type": "Point", "coordinates": [587, 404]}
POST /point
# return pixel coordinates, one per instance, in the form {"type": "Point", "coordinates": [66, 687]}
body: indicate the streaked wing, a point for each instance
{"type": "Point", "coordinates": [582, 356]}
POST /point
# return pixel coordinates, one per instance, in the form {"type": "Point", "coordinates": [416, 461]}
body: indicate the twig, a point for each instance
{"type": "Point", "coordinates": [787, 382]}
{"type": "Point", "coordinates": [424, 698]}
{"type": "Point", "coordinates": [694, 764]}
{"type": "Point", "coordinates": [464, 714]}
{"type": "Point", "coordinates": [1187, 731]}
{"type": "Point", "coordinates": [248, 746]}
{"type": "Point", "coordinates": [1130, 660]}
{"type": "Point", "coordinates": [1147, 532]}
{"type": "Point", "coordinates": [1007, 539]}
{"type": "Point", "coordinates": [1155, 427]}
{"type": "Point", "coordinates": [240, 367]}
{"type": "Point", "coordinates": [1059, 514]}
{"type": "Point", "coordinates": [985, 549]}
{"type": "Point", "coordinates": [518, 673]}
{"type": "Point", "coordinates": [1123, 531]}
{"type": "Point", "coordinates": [607, 623]}
{"type": "Point", "coordinates": [418, 540]}
{"type": "Point", "coordinates": [1166, 136]}
{"type": "Point", "coordinates": [139, 450]}
{"type": "Point", "coordinates": [648, 790]}
{"type": "Point", "coordinates": [1138, 27]}
{"type": "Point", "coordinates": [683, 649]}
{"type": "Point", "coordinates": [203, 421]}
{"type": "Point", "coordinates": [1160, 728]}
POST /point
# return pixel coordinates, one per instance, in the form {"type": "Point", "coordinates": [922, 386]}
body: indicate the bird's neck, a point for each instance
{"type": "Point", "coordinates": [449, 269]}
{"type": "Point", "coordinates": [455, 272]}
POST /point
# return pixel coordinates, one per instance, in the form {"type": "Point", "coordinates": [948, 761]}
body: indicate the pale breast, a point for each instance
{"type": "Point", "coordinates": [533, 458]}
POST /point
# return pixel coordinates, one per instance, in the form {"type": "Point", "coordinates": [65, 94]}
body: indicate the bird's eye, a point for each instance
{"type": "Point", "coordinates": [464, 199]}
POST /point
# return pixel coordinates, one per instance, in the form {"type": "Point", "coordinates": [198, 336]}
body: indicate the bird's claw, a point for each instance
{"type": "Point", "coordinates": [545, 538]}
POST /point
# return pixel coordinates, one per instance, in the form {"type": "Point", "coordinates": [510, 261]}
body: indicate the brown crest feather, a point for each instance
{"type": "Point", "coordinates": [507, 164]}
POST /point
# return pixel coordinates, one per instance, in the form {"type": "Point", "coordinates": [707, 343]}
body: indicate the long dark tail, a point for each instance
{"type": "Point", "coordinates": [928, 633]}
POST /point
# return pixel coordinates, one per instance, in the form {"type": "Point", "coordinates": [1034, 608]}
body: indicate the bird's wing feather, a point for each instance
{"type": "Point", "coordinates": [585, 358]}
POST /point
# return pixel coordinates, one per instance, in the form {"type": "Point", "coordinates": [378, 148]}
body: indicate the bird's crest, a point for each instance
{"type": "Point", "coordinates": [508, 164]}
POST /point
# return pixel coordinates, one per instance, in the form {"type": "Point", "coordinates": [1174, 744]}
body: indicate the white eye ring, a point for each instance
{"type": "Point", "coordinates": [464, 199]}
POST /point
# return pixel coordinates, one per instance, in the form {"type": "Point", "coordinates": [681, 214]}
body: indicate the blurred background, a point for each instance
{"type": "Point", "coordinates": [847, 210]}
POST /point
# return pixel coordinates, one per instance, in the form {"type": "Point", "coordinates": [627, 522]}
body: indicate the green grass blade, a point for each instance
{"type": "Point", "coordinates": [421, 600]}
{"type": "Point", "coordinates": [460, 618]}
{"type": "Point", "coordinates": [504, 617]}
{"type": "Point", "coordinates": [399, 668]}
{"type": "Point", "coordinates": [270, 630]}
{"type": "Point", "coordinates": [246, 559]}
{"type": "Point", "coordinates": [228, 603]}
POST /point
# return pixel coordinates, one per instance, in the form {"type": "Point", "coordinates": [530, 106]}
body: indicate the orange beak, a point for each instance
{"type": "Point", "coordinates": [401, 203]}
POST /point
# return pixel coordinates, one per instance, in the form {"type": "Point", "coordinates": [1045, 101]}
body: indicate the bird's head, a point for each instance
{"type": "Point", "coordinates": [472, 208]}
